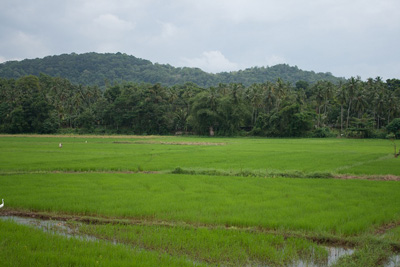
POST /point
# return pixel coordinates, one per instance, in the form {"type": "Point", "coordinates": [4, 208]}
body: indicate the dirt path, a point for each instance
{"type": "Point", "coordinates": [368, 177]}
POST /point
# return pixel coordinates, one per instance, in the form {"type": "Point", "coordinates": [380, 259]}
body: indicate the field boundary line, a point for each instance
{"type": "Point", "coordinates": [84, 136]}
{"type": "Point", "coordinates": [79, 172]}
{"type": "Point", "coordinates": [388, 156]}
{"type": "Point", "coordinates": [386, 177]}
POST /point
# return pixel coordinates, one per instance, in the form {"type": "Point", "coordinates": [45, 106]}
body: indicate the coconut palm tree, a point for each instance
{"type": "Point", "coordinates": [341, 96]}
{"type": "Point", "coordinates": [352, 87]}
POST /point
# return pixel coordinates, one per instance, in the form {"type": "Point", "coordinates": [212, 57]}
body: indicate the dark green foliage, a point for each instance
{"type": "Point", "coordinates": [302, 85]}
{"type": "Point", "coordinates": [322, 133]}
{"type": "Point", "coordinates": [102, 69]}
{"type": "Point", "coordinates": [361, 127]}
{"type": "Point", "coordinates": [48, 104]}
{"type": "Point", "coordinates": [203, 113]}
{"type": "Point", "coordinates": [24, 107]}
{"type": "Point", "coordinates": [288, 122]}
{"type": "Point", "coordinates": [394, 127]}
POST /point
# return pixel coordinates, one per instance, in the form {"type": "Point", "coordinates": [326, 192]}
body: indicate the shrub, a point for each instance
{"type": "Point", "coordinates": [322, 133]}
{"type": "Point", "coordinates": [394, 127]}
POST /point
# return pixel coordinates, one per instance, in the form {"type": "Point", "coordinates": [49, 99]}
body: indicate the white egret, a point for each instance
{"type": "Point", "coordinates": [2, 203]}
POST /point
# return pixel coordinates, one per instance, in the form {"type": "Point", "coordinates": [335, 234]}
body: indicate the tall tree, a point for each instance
{"type": "Point", "coordinates": [341, 96]}
{"type": "Point", "coordinates": [352, 86]}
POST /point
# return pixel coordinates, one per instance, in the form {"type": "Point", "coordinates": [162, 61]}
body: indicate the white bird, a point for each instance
{"type": "Point", "coordinates": [2, 204]}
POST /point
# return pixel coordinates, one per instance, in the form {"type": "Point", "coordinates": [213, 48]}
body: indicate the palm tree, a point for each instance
{"type": "Point", "coordinates": [341, 96]}
{"type": "Point", "coordinates": [319, 97]}
{"type": "Point", "coordinates": [280, 90]}
{"type": "Point", "coordinates": [379, 104]}
{"type": "Point", "coordinates": [393, 105]}
{"type": "Point", "coordinates": [254, 96]}
{"type": "Point", "coordinates": [360, 101]}
{"type": "Point", "coordinates": [269, 96]}
{"type": "Point", "coordinates": [328, 93]}
{"type": "Point", "coordinates": [352, 87]}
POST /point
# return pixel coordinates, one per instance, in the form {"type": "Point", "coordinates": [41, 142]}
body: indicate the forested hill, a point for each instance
{"type": "Point", "coordinates": [97, 69]}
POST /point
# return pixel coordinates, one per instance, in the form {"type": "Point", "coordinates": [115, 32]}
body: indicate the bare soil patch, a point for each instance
{"type": "Point", "coordinates": [368, 177]}
{"type": "Point", "coordinates": [386, 227]}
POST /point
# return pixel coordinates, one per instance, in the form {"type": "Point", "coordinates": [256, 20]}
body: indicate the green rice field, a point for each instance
{"type": "Point", "coordinates": [177, 201]}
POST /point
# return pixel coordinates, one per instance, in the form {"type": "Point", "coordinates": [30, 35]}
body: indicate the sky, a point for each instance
{"type": "Point", "coordinates": [345, 37]}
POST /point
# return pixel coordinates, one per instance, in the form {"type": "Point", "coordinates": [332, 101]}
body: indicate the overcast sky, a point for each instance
{"type": "Point", "coordinates": [344, 37]}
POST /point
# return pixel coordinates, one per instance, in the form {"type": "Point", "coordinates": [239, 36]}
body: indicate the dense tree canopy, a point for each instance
{"type": "Point", "coordinates": [103, 69]}
{"type": "Point", "coordinates": [354, 108]}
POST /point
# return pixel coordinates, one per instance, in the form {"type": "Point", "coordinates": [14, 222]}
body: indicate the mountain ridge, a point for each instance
{"type": "Point", "coordinates": [101, 68]}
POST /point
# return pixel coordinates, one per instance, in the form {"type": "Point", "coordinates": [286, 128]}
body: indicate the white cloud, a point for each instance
{"type": "Point", "coordinates": [105, 33]}
{"type": "Point", "coordinates": [28, 45]}
{"type": "Point", "coordinates": [274, 60]}
{"type": "Point", "coordinates": [211, 61]}
{"type": "Point", "coordinates": [347, 38]}
{"type": "Point", "coordinates": [164, 34]}
{"type": "Point", "coordinates": [108, 27]}
{"type": "Point", "coordinates": [168, 30]}
{"type": "Point", "coordinates": [111, 22]}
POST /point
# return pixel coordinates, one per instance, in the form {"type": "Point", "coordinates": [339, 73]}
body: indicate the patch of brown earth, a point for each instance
{"type": "Point", "coordinates": [368, 177]}
{"type": "Point", "coordinates": [193, 143]}
{"type": "Point", "coordinates": [84, 218]}
{"type": "Point", "coordinates": [386, 227]}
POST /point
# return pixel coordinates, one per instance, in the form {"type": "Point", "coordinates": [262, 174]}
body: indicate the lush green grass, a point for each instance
{"type": "Point", "coordinates": [216, 246]}
{"type": "Point", "coordinates": [281, 155]}
{"type": "Point", "coordinates": [24, 246]}
{"type": "Point", "coordinates": [322, 205]}
{"type": "Point", "coordinates": [369, 253]}
{"type": "Point", "coordinates": [33, 177]}
{"type": "Point", "coordinates": [393, 234]}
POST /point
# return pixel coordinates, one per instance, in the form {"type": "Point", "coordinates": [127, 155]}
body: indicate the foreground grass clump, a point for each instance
{"type": "Point", "coordinates": [24, 246]}
{"type": "Point", "coordinates": [393, 234]}
{"type": "Point", "coordinates": [341, 207]}
{"type": "Point", "coordinates": [369, 253]}
{"type": "Point", "coordinates": [216, 246]}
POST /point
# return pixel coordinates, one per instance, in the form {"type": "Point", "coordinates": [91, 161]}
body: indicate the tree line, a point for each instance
{"type": "Point", "coordinates": [352, 108]}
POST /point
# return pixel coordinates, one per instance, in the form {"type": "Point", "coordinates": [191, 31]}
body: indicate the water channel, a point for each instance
{"type": "Point", "coordinates": [62, 228]}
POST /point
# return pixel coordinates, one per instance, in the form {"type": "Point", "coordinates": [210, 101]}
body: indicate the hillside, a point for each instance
{"type": "Point", "coordinates": [97, 69]}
